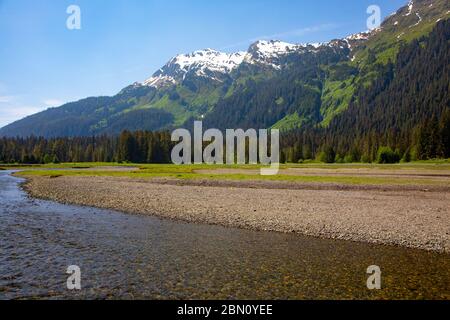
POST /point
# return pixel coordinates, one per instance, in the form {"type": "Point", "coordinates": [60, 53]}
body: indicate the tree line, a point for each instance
{"type": "Point", "coordinates": [430, 140]}
{"type": "Point", "coordinates": [137, 147]}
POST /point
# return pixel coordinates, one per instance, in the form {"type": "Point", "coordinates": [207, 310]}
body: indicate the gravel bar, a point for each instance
{"type": "Point", "coordinates": [409, 217]}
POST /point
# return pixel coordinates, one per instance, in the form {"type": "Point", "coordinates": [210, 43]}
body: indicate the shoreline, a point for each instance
{"type": "Point", "coordinates": [410, 217]}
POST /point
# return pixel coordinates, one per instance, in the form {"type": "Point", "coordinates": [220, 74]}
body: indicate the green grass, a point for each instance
{"type": "Point", "coordinates": [238, 177]}
{"type": "Point", "coordinates": [428, 165]}
{"type": "Point", "coordinates": [441, 164]}
{"type": "Point", "coordinates": [336, 99]}
{"type": "Point", "coordinates": [188, 172]}
{"type": "Point", "coordinates": [67, 165]}
{"type": "Point", "coordinates": [290, 122]}
{"type": "Point", "coordinates": [178, 111]}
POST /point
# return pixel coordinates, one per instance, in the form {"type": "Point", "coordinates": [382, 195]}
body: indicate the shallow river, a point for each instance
{"type": "Point", "coordinates": [125, 256]}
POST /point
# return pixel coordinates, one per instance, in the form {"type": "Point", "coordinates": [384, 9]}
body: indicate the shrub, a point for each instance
{"type": "Point", "coordinates": [47, 159]}
{"type": "Point", "coordinates": [348, 159]}
{"type": "Point", "coordinates": [386, 155]}
{"type": "Point", "coordinates": [365, 159]}
{"type": "Point", "coordinates": [339, 159]}
{"type": "Point", "coordinates": [407, 156]}
{"type": "Point", "coordinates": [328, 155]}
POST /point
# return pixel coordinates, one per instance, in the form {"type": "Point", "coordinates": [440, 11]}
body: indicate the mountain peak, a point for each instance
{"type": "Point", "coordinates": [268, 48]}
{"type": "Point", "coordinates": [273, 46]}
{"type": "Point", "coordinates": [201, 63]}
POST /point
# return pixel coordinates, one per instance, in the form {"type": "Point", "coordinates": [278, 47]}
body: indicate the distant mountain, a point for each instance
{"type": "Point", "coordinates": [272, 85]}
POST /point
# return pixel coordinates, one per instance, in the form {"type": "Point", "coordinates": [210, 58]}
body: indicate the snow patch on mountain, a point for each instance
{"type": "Point", "coordinates": [410, 8]}
{"type": "Point", "coordinates": [359, 36]}
{"type": "Point", "coordinates": [202, 63]}
{"type": "Point", "coordinates": [273, 48]}
{"type": "Point", "coordinates": [212, 59]}
{"type": "Point", "coordinates": [159, 81]}
{"type": "Point", "coordinates": [269, 52]}
{"type": "Point", "coordinates": [418, 22]}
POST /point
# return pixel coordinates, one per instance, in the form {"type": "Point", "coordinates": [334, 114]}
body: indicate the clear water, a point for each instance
{"type": "Point", "coordinates": [134, 257]}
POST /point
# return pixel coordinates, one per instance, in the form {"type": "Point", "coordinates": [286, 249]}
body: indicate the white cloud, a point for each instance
{"type": "Point", "coordinates": [53, 102]}
{"type": "Point", "coordinates": [13, 109]}
{"type": "Point", "coordinates": [14, 113]}
{"type": "Point", "coordinates": [6, 99]}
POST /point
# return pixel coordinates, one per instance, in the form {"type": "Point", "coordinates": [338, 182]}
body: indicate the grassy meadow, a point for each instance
{"type": "Point", "coordinates": [415, 173]}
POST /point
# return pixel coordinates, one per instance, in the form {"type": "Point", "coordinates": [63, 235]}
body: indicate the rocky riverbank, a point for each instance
{"type": "Point", "coordinates": [407, 217]}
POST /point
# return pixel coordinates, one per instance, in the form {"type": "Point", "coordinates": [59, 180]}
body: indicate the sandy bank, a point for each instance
{"type": "Point", "coordinates": [407, 217]}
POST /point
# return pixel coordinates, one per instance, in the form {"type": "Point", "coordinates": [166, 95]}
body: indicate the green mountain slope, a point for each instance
{"type": "Point", "coordinates": [411, 22]}
{"type": "Point", "coordinates": [407, 108]}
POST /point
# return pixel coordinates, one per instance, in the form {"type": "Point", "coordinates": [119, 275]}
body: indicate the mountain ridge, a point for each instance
{"type": "Point", "coordinates": [208, 62]}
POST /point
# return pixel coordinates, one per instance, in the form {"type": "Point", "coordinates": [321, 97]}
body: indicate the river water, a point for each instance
{"type": "Point", "coordinates": [134, 257]}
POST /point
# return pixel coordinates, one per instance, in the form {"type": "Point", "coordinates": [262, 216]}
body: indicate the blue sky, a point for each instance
{"type": "Point", "coordinates": [44, 64]}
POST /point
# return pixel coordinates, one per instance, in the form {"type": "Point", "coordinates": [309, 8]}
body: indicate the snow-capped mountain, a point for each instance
{"type": "Point", "coordinates": [270, 52]}
{"type": "Point", "coordinates": [357, 38]}
{"type": "Point", "coordinates": [214, 65]}
{"type": "Point", "coordinates": [203, 63]}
